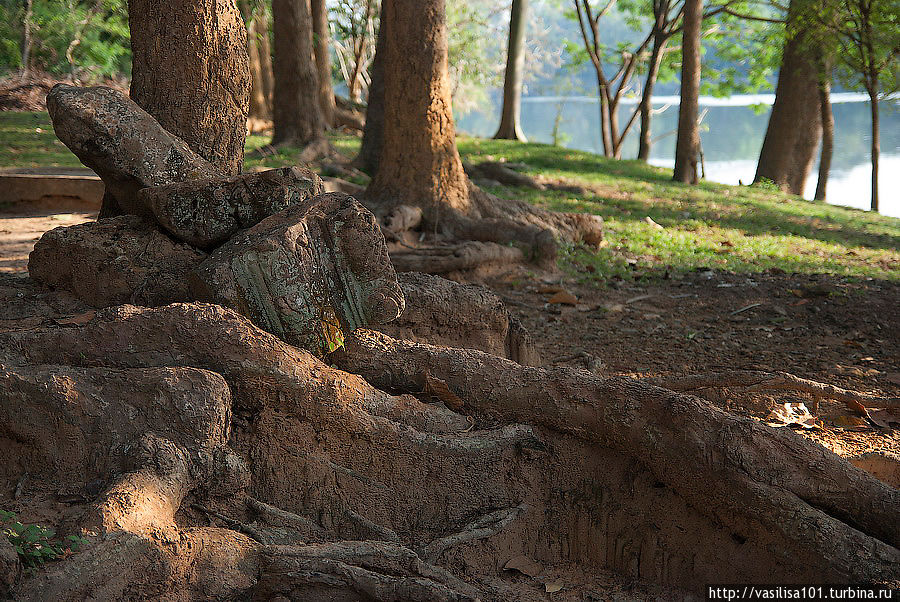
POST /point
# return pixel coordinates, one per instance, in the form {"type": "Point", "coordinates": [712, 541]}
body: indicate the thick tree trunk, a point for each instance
{"type": "Point", "coordinates": [373, 134]}
{"type": "Point", "coordinates": [876, 144]}
{"type": "Point", "coordinates": [688, 145]}
{"type": "Point", "coordinates": [792, 136]}
{"type": "Point", "coordinates": [296, 114]}
{"type": "Point", "coordinates": [646, 141]}
{"type": "Point", "coordinates": [265, 57]}
{"type": "Point", "coordinates": [510, 119]}
{"type": "Point", "coordinates": [190, 71]}
{"type": "Point", "coordinates": [419, 162]}
{"type": "Point", "coordinates": [827, 117]}
{"type": "Point", "coordinates": [322, 45]}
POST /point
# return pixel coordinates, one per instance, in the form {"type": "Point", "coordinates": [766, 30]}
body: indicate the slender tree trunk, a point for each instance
{"type": "Point", "coordinates": [265, 57]}
{"type": "Point", "coordinates": [26, 38]}
{"type": "Point", "coordinates": [792, 136]}
{"type": "Point", "coordinates": [191, 72]}
{"type": "Point", "coordinates": [827, 138]}
{"type": "Point", "coordinates": [419, 161]}
{"type": "Point", "coordinates": [259, 105]}
{"type": "Point", "coordinates": [296, 113]}
{"type": "Point", "coordinates": [510, 119]}
{"type": "Point", "coordinates": [688, 144]}
{"type": "Point", "coordinates": [646, 108]}
{"type": "Point", "coordinates": [322, 45]}
{"type": "Point", "coordinates": [876, 144]}
{"type": "Point", "coordinates": [373, 134]}
{"type": "Point", "coordinates": [614, 140]}
{"type": "Point", "coordinates": [605, 120]}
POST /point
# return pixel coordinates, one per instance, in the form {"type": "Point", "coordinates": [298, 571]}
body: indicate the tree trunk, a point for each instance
{"type": "Point", "coordinates": [792, 136]}
{"type": "Point", "coordinates": [419, 162]}
{"type": "Point", "coordinates": [373, 134]}
{"type": "Point", "coordinates": [190, 71]}
{"type": "Point", "coordinates": [296, 113]}
{"type": "Point", "coordinates": [26, 37]}
{"type": "Point", "coordinates": [605, 126]}
{"type": "Point", "coordinates": [646, 140]}
{"type": "Point", "coordinates": [260, 103]}
{"type": "Point", "coordinates": [688, 144]}
{"type": "Point", "coordinates": [265, 57]}
{"type": "Point", "coordinates": [827, 138]}
{"type": "Point", "coordinates": [322, 45]}
{"type": "Point", "coordinates": [876, 144]}
{"type": "Point", "coordinates": [510, 126]}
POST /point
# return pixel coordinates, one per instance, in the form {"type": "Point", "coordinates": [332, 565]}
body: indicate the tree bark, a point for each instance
{"type": "Point", "coordinates": [792, 136]}
{"type": "Point", "coordinates": [296, 113]}
{"type": "Point", "coordinates": [419, 161]}
{"type": "Point", "coordinates": [373, 134]}
{"type": "Point", "coordinates": [191, 72]}
{"type": "Point", "coordinates": [688, 144]}
{"type": "Point", "coordinates": [322, 45]}
{"type": "Point", "coordinates": [876, 144]}
{"type": "Point", "coordinates": [827, 117]}
{"type": "Point", "coordinates": [510, 119]}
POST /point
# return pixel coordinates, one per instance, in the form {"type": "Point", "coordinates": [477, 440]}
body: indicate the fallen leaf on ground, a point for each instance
{"type": "Point", "coordinates": [850, 422]}
{"type": "Point", "coordinates": [552, 588]}
{"type": "Point", "coordinates": [789, 414]}
{"type": "Point", "coordinates": [546, 290]}
{"type": "Point", "coordinates": [438, 388]}
{"type": "Point", "coordinates": [650, 221]}
{"type": "Point", "coordinates": [524, 565]}
{"type": "Point", "coordinates": [564, 297]}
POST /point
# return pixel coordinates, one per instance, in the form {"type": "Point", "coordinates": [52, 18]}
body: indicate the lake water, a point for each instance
{"type": "Point", "coordinates": [732, 135]}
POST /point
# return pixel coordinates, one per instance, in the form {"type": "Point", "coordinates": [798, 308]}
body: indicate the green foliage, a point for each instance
{"type": "Point", "coordinates": [88, 39]}
{"type": "Point", "coordinates": [35, 544]}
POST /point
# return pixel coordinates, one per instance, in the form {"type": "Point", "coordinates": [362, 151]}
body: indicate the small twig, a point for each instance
{"type": "Point", "coordinates": [745, 308]}
{"type": "Point", "coordinates": [232, 524]}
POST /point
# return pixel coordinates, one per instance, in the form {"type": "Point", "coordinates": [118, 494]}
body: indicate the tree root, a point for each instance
{"type": "Point", "coordinates": [756, 380]}
{"type": "Point", "coordinates": [456, 258]}
{"type": "Point", "coordinates": [485, 526]}
{"type": "Point", "coordinates": [746, 469]}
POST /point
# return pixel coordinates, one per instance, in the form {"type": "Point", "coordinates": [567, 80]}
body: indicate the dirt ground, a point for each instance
{"type": "Point", "coordinates": [824, 328]}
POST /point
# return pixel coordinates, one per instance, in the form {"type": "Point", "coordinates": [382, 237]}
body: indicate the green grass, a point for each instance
{"type": "Point", "coordinates": [733, 228]}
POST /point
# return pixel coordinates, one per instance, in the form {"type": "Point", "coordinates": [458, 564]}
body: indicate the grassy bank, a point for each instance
{"type": "Point", "coordinates": [734, 228]}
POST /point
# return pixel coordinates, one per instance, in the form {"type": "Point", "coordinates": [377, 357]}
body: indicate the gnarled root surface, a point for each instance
{"type": "Point", "coordinates": [234, 466]}
{"type": "Point", "coordinates": [494, 233]}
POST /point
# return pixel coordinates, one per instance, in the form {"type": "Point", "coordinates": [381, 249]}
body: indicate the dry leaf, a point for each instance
{"type": "Point", "coordinates": [850, 422]}
{"type": "Point", "coordinates": [552, 588]}
{"type": "Point", "coordinates": [524, 565]}
{"type": "Point", "coordinates": [548, 290]}
{"type": "Point", "coordinates": [614, 307]}
{"type": "Point", "coordinates": [77, 320]}
{"type": "Point", "coordinates": [650, 221]}
{"type": "Point", "coordinates": [790, 414]}
{"type": "Point", "coordinates": [564, 298]}
{"type": "Point", "coordinates": [438, 388]}
{"type": "Point", "coordinates": [886, 418]}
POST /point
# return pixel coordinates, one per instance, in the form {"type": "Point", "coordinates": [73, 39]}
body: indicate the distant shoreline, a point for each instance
{"type": "Point", "coordinates": [737, 100]}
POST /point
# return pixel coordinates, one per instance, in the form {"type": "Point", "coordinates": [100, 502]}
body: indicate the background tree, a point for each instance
{"type": "Point", "coordinates": [322, 46]}
{"type": "Point", "coordinates": [688, 145]}
{"type": "Point", "coordinates": [373, 133]}
{"type": "Point", "coordinates": [510, 115]}
{"type": "Point", "coordinates": [794, 130]}
{"type": "Point", "coordinates": [355, 26]}
{"type": "Point", "coordinates": [868, 36]}
{"type": "Point", "coordinates": [260, 55]}
{"type": "Point", "coordinates": [297, 116]}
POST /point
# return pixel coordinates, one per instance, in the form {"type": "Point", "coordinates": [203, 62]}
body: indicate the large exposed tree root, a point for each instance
{"type": "Point", "coordinates": [337, 482]}
{"type": "Point", "coordinates": [493, 233]}
{"type": "Point", "coordinates": [748, 469]}
{"type": "Point", "coordinates": [755, 380]}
